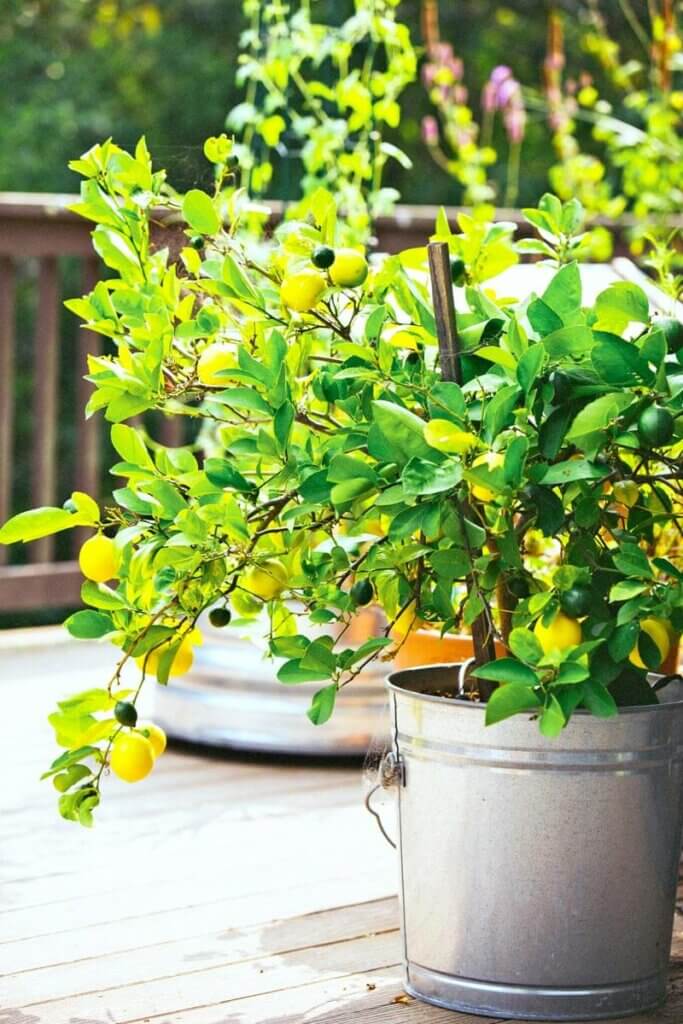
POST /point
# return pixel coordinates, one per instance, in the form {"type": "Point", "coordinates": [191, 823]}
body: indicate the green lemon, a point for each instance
{"type": "Point", "coordinates": [655, 426]}
{"type": "Point", "coordinates": [322, 257]}
{"type": "Point", "coordinates": [577, 601]}
{"type": "Point", "coordinates": [126, 713]}
{"type": "Point", "coordinates": [220, 617]}
{"type": "Point", "coordinates": [673, 332]}
{"type": "Point", "coordinates": [362, 592]}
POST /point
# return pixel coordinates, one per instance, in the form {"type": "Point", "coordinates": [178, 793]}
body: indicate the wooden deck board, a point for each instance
{"type": "Point", "coordinates": [223, 890]}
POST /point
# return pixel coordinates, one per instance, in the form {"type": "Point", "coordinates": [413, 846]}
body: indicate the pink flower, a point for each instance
{"type": "Point", "coordinates": [430, 130]}
{"type": "Point", "coordinates": [500, 74]}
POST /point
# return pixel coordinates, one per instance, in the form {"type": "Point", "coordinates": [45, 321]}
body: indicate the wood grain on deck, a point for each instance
{"type": "Point", "coordinates": [222, 890]}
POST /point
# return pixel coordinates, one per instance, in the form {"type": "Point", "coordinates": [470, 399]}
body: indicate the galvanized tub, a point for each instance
{"type": "Point", "coordinates": [538, 876]}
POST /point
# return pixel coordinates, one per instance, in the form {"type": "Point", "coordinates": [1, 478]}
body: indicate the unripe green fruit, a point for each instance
{"type": "Point", "coordinates": [126, 713]}
{"type": "Point", "coordinates": [655, 426]}
{"type": "Point", "coordinates": [518, 586]}
{"type": "Point", "coordinates": [673, 332]}
{"type": "Point", "coordinates": [323, 257]}
{"type": "Point", "coordinates": [577, 601]}
{"type": "Point", "coordinates": [69, 505]}
{"type": "Point", "coordinates": [197, 241]}
{"type": "Point", "coordinates": [458, 276]}
{"type": "Point", "coordinates": [362, 592]}
{"type": "Point", "coordinates": [220, 617]}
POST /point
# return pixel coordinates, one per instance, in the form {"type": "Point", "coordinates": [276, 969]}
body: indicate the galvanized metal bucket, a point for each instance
{"type": "Point", "coordinates": [538, 876]}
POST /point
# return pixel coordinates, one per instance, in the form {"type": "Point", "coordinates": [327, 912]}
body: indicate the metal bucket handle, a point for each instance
{"type": "Point", "coordinates": [390, 774]}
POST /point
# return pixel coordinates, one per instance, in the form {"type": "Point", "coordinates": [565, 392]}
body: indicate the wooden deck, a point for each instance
{"type": "Point", "coordinates": [222, 890]}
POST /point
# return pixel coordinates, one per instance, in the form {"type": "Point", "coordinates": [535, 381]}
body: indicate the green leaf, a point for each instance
{"type": "Point", "coordinates": [619, 362]}
{"type": "Point", "coordinates": [573, 469]}
{"type": "Point", "coordinates": [553, 430]}
{"type": "Point", "coordinates": [200, 213]}
{"type": "Point", "coordinates": [529, 367]}
{"type": "Point", "coordinates": [515, 456]}
{"type": "Point", "coordinates": [420, 477]}
{"type": "Point", "coordinates": [403, 430]}
{"type": "Point", "coordinates": [38, 522]}
{"type": "Point", "coordinates": [129, 444]}
{"type": "Point", "coordinates": [371, 646]}
{"type": "Point", "coordinates": [222, 473]}
{"type": "Point", "coordinates": [498, 414]}
{"type": "Point", "coordinates": [322, 704]}
{"type": "Point", "coordinates": [510, 700]}
{"type": "Point", "coordinates": [68, 758]}
{"type": "Point", "coordinates": [282, 424]}
{"type": "Point", "coordinates": [291, 673]}
{"type": "Point", "coordinates": [89, 625]}
{"type": "Point", "coordinates": [507, 670]}
{"type": "Point", "coordinates": [598, 415]}
{"type": "Point", "coordinates": [632, 561]}
{"type": "Point", "coordinates": [542, 318]}
{"type": "Point", "coordinates": [563, 294]}
{"type": "Point", "coordinates": [342, 467]}
{"type": "Point", "coordinates": [525, 646]}
{"type": "Point", "coordinates": [598, 699]}
{"type": "Point", "coordinates": [99, 595]}
{"type": "Point", "coordinates": [552, 721]}
{"type": "Point", "coordinates": [626, 589]}
{"type": "Point", "coordinates": [619, 305]}
{"type": "Point", "coordinates": [569, 341]}
{"type": "Point", "coordinates": [349, 490]}
{"type": "Point", "coordinates": [571, 672]}
{"type": "Point", "coordinates": [319, 658]}
{"type": "Point", "coordinates": [623, 640]}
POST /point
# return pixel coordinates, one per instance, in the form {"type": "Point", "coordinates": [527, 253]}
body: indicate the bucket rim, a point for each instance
{"type": "Point", "coordinates": [392, 684]}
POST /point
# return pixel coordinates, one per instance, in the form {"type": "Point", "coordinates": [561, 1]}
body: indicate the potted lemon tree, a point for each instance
{"type": "Point", "coordinates": [346, 392]}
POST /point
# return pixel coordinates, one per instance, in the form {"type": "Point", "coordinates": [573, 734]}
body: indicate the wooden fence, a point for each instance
{"type": "Point", "coordinates": [39, 230]}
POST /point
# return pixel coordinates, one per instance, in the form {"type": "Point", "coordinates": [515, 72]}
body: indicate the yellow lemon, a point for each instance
{"type": "Point", "coordinates": [403, 338]}
{"type": "Point", "coordinates": [446, 437]}
{"type": "Point", "coordinates": [213, 361]}
{"type": "Point", "coordinates": [182, 661]}
{"type": "Point", "coordinates": [562, 633]}
{"type": "Point", "coordinates": [407, 621]}
{"type": "Point", "coordinates": [350, 268]}
{"type": "Point", "coordinates": [156, 736]}
{"type": "Point", "coordinates": [132, 756]}
{"type": "Point", "coordinates": [266, 581]}
{"type": "Point", "coordinates": [492, 460]}
{"type": "Point", "coordinates": [97, 558]}
{"type": "Point", "coordinates": [658, 631]}
{"type": "Point", "coordinates": [301, 291]}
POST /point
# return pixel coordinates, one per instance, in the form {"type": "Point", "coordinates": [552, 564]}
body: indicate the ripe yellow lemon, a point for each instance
{"type": "Point", "coordinates": [213, 360]}
{"type": "Point", "coordinates": [301, 291]}
{"type": "Point", "coordinates": [132, 756]}
{"type": "Point", "coordinates": [492, 460]}
{"type": "Point", "coordinates": [156, 736]}
{"type": "Point", "coordinates": [658, 631]}
{"type": "Point", "coordinates": [182, 662]}
{"type": "Point", "coordinates": [562, 633]}
{"type": "Point", "coordinates": [266, 581]}
{"type": "Point", "coordinates": [403, 338]}
{"type": "Point", "coordinates": [446, 437]}
{"type": "Point", "coordinates": [350, 268]}
{"type": "Point", "coordinates": [97, 558]}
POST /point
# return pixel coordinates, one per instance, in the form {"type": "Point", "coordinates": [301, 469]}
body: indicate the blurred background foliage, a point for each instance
{"type": "Point", "coordinates": [75, 71]}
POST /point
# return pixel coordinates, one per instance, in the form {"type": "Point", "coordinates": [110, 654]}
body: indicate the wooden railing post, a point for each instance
{"type": "Point", "coordinates": [7, 345]}
{"type": "Point", "coordinates": [45, 381]}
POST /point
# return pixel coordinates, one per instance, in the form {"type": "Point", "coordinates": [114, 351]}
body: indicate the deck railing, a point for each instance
{"type": "Point", "coordinates": [37, 233]}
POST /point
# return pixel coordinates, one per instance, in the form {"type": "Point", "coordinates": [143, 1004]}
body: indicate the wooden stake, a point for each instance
{"type": "Point", "coordinates": [451, 369]}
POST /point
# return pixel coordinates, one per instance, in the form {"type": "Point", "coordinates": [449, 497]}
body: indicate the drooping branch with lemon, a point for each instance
{"type": "Point", "coordinates": [536, 498]}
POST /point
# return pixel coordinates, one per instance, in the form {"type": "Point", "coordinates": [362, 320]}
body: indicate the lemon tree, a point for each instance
{"type": "Point", "coordinates": [531, 496]}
